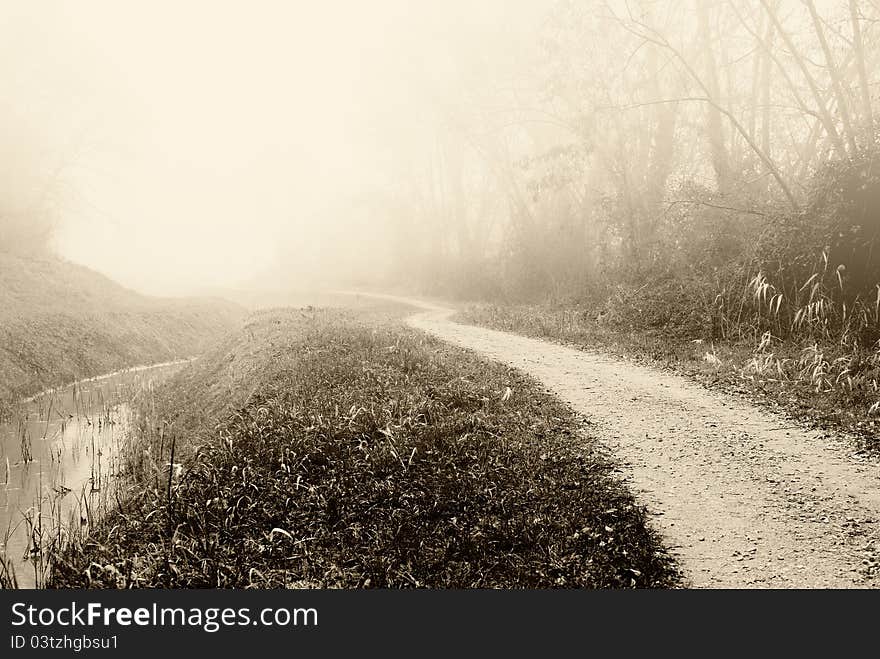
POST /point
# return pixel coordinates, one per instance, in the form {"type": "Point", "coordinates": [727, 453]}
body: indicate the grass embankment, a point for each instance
{"type": "Point", "coordinates": [341, 449]}
{"type": "Point", "coordinates": [60, 322]}
{"type": "Point", "coordinates": [825, 385]}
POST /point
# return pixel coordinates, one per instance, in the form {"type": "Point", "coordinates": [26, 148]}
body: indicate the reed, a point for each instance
{"type": "Point", "coordinates": [57, 517]}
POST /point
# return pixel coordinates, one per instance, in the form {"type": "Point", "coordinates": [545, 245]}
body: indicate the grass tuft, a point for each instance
{"type": "Point", "coordinates": [328, 449]}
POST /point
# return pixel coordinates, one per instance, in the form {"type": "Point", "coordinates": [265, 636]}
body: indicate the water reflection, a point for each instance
{"type": "Point", "coordinates": [58, 461]}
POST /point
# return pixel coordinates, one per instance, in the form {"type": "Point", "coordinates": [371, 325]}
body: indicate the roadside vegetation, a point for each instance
{"type": "Point", "coordinates": [826, 385]}
{"type": "Point", "coordinates": [784, 308]}
{"type": "Point", "coordinates": [700, 187]}
{"type": "Point", "coordinates": [328, 448]}
{"type": "Point", "coordinates": [61, 322]}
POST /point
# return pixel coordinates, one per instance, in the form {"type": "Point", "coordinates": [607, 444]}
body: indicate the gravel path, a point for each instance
{"type": "Point", "coordinates": [744, 498]}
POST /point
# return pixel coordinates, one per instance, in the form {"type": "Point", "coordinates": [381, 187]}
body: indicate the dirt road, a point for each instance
{"type": "Point", "coordinates": [744, 498]}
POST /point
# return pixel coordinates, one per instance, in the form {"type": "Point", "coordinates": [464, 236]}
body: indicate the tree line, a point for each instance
{"type": "Point", "coordinates": [711, 147]}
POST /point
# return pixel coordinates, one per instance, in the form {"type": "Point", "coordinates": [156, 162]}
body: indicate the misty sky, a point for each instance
{"type": "Point", "coordinates": [198, 144]}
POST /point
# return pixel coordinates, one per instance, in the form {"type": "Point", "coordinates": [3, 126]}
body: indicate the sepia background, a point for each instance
{"type": "Point", "coordinates": [536, 293]}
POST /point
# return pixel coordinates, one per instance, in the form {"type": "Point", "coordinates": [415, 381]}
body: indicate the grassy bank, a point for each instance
{"type": "Point", "coordinates": [61, 322]}
{"type": "Point", "coordinates": [341, 449]}
{"type": "Point", "coordinates": [826, 384]}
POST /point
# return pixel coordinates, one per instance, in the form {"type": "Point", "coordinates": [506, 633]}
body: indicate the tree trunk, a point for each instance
{"type": "Point", "coordinates": [827, 120]}
{"type": "Point", "coordinates": [836, 82]}
{"type": "Point", "coordinates": [714, 126]}
{"type": "Point", "coordinates": [859, 52]}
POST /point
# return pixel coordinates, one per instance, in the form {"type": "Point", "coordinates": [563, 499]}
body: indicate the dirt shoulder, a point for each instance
{"type": "Point", "coordinates": [744, 497]}
{"type": "Point", "coordinates": [826, 386]}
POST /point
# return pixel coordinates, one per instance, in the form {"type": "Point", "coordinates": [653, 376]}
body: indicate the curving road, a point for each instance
{"type": "Point", "coordinates": [744, 498]}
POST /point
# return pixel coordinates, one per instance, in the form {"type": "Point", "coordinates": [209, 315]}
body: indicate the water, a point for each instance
{"type": "Point", "coordinates": [59, 460]}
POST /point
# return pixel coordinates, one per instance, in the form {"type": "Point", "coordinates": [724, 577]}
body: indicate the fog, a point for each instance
{"type": "Point", "coordinates": [443, 202]}
{"type": "Point", "coordinates": [526, 148]}
{"type": "Point", "coordinates": [220, 144]}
